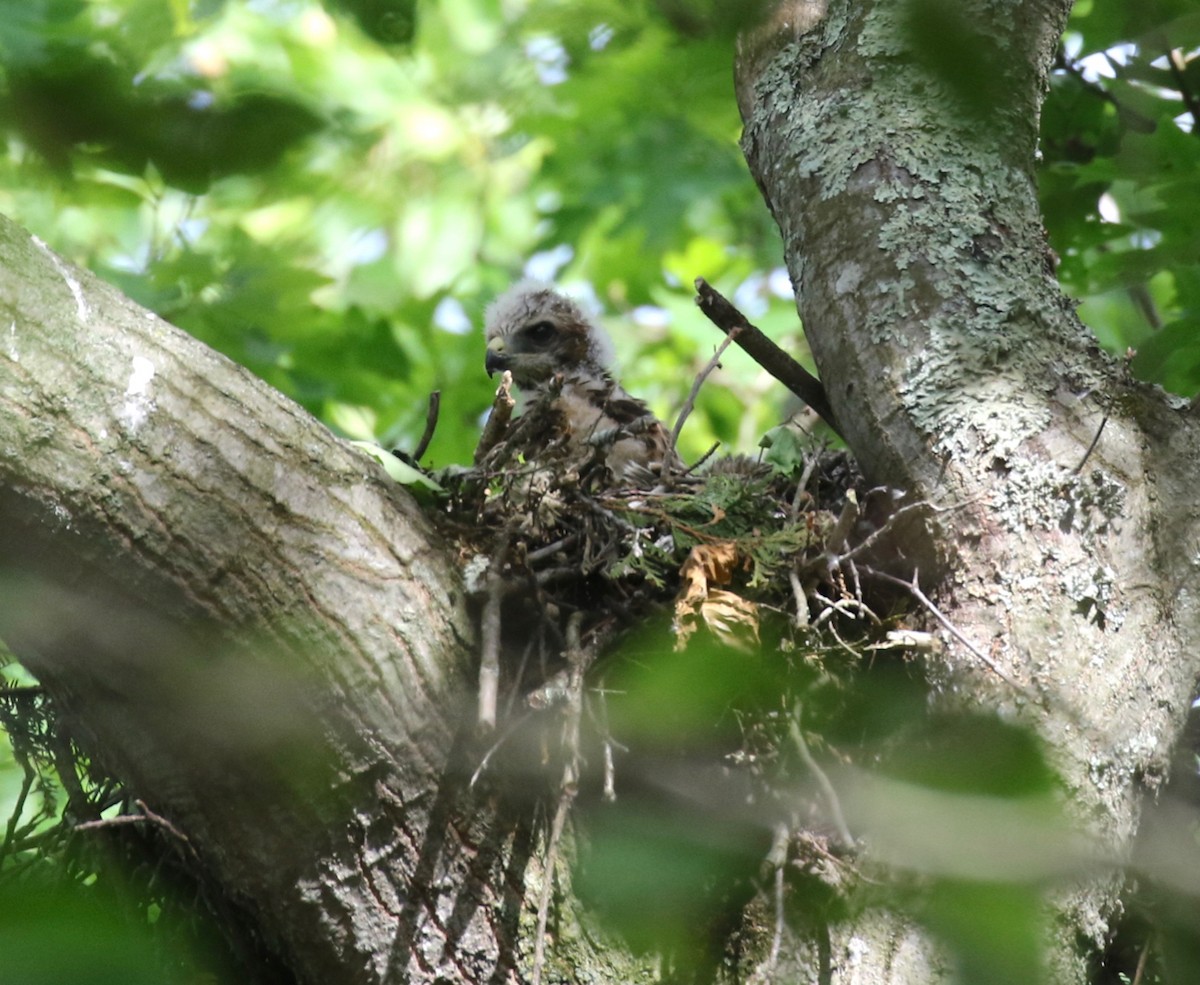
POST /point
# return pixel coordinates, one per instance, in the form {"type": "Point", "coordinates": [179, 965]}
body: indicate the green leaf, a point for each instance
{"type": "Point", "coordinates": [786, 449]}
{"type": "Point", "coordinates": [397, 468]}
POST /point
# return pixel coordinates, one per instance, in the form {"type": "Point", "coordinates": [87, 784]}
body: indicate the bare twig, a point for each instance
{"type": "Point", "coordinates": [702, 459]}
{"type": "Point", "coordinates": [831, 797]}
{"type": "Point", "coordinates": [777, 859]}
{"type": "Point", "coordinates": [763, 351]}
{"type": "Point", "coordinates": [810, 466]}
{"type": "Point", "coordinates": [610, 773]}
{"type": "Point", "coordinates": [578, 660]}
{"type": "Point", "coordinates": [489, 658]}
{"type": "Point", "coordinates": [1141, 964]}
{"type": "Point", "coordinates": [431, 419]}
{"type": "Point", "coordinates": [1092, 447]}
{"type": "Point", "coordinates": [915, 590]}
{"type": "Point", "coordinates": [10, 832]}
{"type": "Point", "coordinates": [495, 748]}
{"type": "Point", "coordinates": [497, 422]}
{"type": "Point", "coordinates": [601, 717]}
{"type": "Point", "coordinates": [802, 614]}
{"type": "Point", "coordinates": [563, 573]}
{"type": "Point", "coordinates": [123, 819]}
{"type": "Point", "coordinates": [839, 536]}
{"type": "Point", "coordinates": [538, 639]}
{"type": "Point", "coordinates": [690, 404]}
{"type": "Point", "coordinates": [162, 822]}
{"type": "Point", "coordinates": [888, 526]}
{"type": "Point", "coordinates": [544, 552]}
{"type": "Point", "coordinates": [846, 606]}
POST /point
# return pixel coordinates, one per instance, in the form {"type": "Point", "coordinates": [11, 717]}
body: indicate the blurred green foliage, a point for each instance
{"type": "Point", "coordinates": [52, 932]}
{"type": "Point", "coordinates": [1120, 180]}
{"type": "Point", "coordinates": [331, 192]}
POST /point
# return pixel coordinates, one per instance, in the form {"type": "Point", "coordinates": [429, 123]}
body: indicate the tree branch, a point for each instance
{"type": "Point", "coordinates": [245, 621]}
{"type": "Point", "coordinates": [721, 312]}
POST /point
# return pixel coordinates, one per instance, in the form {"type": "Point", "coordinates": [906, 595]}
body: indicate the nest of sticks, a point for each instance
{"type": "Point", "coordinates": [790, 557]}
{"type": "Point", "coordinates": [561, 561]}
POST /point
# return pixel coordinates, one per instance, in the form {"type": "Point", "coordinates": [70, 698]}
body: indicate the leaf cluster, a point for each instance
{"type": "Point", "coordinates": [330, 194]}
{"type": "Point", "coordinates": [1120, 180]}
{"type": "Point", "coordinates": [86, 878]}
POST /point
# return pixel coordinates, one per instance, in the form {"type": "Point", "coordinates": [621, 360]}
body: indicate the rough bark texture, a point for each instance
{"type": "Point", "coordinates": [959, 372]}
{"type": "Point", "coordinates": [253, 628]}
{"type": "Point", "coordinates": [266, 640]}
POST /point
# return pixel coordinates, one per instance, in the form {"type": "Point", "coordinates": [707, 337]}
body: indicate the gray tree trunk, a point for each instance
{"type": "Point", "coordinates": [266, 640]}
{"type": "Point", "coordinates": [960, 372]}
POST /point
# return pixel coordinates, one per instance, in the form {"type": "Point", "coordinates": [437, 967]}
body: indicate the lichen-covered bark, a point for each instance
{"type": "Point", "coordinates": [253, 628]}
{"type": "Point", "coordinates": [960, 373]}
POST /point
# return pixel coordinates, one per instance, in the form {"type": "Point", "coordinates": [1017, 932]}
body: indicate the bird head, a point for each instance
{"type": "Point", "coordinates": [535, 332]}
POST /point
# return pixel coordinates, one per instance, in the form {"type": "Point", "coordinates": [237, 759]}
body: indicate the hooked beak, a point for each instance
{"type": "Point", "coordinates": [495, 360]}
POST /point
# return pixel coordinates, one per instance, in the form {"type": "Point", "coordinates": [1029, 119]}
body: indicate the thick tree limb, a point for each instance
{"type": "Point", "coordinates": [250, 626]}
{"type": "Point", "coordinates": [958, 372]}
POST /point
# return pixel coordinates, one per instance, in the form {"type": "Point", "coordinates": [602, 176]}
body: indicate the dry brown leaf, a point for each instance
{"type": "Point", "coordinates": [732, 619]}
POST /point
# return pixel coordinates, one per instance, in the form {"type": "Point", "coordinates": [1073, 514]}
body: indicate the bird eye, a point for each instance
{"type": "Point", "coordinates": [540, 332]}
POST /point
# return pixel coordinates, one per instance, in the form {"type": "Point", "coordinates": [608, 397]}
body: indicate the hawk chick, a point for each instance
{"type": "Point", "coordinates": [548, 343]}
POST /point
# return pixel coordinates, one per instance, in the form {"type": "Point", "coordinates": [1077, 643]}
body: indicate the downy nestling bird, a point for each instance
{"type": "Point", "coordinates": [546, 341]}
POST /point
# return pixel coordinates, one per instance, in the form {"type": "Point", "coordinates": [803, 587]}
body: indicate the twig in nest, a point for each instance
{"type": "Point", "coordinates": [802, 615]}
{"type": "Point", "coordinates": [495, 747]}
{"type": "Point", "coordinates": [766, 353]}
{"type": "Point", "coordinates": [831, 797]}
{"type": "Point", "coordinates": [536, 640]}
{"type": "Point", "coordinates": [810, 466]}
{"type": "Point", "coordinates": [876, 535]}
{"type": "Point", "coordinates": [914, 589]}
{"type": "Point", "coordinates": [578, 660]}
{"type": "Point", "coordinates": [702, 459]}
{"type": "Point", "coordinates": [550, 549]}
{"type": "Point", "coordinates": [847, 605]}
{"type": "Point", "coordinates": [431, 419]}
{"type": "Point", "coordinates": [839, 536]}
{"type": "Point", "coordinates": [506, 441]}
{"type": "Point", "coordinates": [497, 422]}
{"type": "Point", "coordinates": [599, 715]}
{"type": "Point", "coordinates": [489, 658]}
{"type": "Point", "coordinates": [690, 404]}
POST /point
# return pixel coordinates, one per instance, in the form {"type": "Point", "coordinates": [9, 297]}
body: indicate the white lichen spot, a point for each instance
{"type": "Point", "coordinates": [10, 343]}
{"type": "Point", "coordinates": [138, 402]}
{"type": "Point", "coordinates": [857, 949]}
{"type": "Point", "coordinates": [61, 514]}
{"type": "Point", "coordinates": [848, 279]}
{"type": "Point", "coordinates": [1093, 591]}
{"type": "Point", "coordinates": [474, 571]}
{"type": "Point", "coordinates": [81, 308]}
